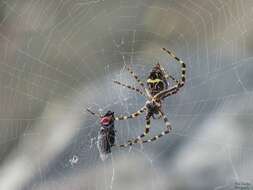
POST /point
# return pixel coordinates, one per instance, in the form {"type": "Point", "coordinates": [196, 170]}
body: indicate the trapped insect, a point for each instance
{"type": "Point", "coordinates": [106, 134]}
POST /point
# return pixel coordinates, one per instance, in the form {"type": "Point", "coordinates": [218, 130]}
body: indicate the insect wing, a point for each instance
{"type": "Point", "coordinates": [103, 144]}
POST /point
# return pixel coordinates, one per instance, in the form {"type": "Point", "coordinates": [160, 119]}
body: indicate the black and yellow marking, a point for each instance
{"type": "Point", "coordinates": [133, 115]}
{"type": "Point", "coordinates": [129, 87]}
{"type": "Point", "coordinates": [152, 81]}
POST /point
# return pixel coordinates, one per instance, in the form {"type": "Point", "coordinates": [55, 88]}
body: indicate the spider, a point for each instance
{"type": "Point", "coordinates": [158, 89]}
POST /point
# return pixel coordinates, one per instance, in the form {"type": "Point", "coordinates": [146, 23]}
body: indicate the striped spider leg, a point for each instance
{"type": "Point", "coordinates": [170, 92]}
{"type": "Point", "coordinates": [147, 95]}
{"type": "Point", "coordinates": [139, 81]}
{"type": "Point", "coordinates": [117, 118]}
{"type": "Point", "coordinates": [131, 116]}
{"type": "Point", "coordinates": [129, 69]}
{"type": "Point", "coordinates": [183, 67]}
{"type": "Point", "coordinates": [179, 84]}
{"type": "Point", "coordinates": [156, 137]}
{"type": "Point", "coordinates": [152, 108]}
{"type": "Point", "coordinates": [130, 87]}
{"type": "Point", "coordinates": [168, 76]}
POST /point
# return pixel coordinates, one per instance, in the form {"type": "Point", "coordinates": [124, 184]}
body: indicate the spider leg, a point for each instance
{"type": "Point", "coordinates": [93, 113]}
{"type": "Point", "coordinates": [156, 137]}
{"type": "Point", "coordinates": [138, 80]}
{"type": "Point", "coordinates": [129, 87]}
{"type": "Point", "coordinates": [183, 67]}
{"type": "Point", "coordinates": [135, 76]}
{"type": "Point", "coordinates": [167, 76]}
{"type": "Point", "coordinates": [137, 141]}
{"type": "Point", "coordinates": [169, 93]}
{"type": "Point", "coordinates": [173, 79]}
{"type": "Point", "coordinates": [146, 131]}
{"type": "Point", "coordinates": [166, 131]}
{"type": "Point", "coordinates": [147, 128]}
{"type": "Point", "coordinates": [167, 123]}
{"type": "Point", "coordinates": [133, 115]}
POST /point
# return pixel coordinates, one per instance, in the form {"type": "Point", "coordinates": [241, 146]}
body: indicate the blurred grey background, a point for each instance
{"type": "Point", "coordinates": [60, 56]}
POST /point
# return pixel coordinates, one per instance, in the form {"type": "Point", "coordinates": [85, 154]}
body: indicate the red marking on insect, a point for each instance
{"type": "Point", "coordinates": [105, 120]}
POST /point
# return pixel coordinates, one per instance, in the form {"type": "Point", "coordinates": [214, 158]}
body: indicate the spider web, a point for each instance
{"type": "Point", "coordinates": [59, 57]}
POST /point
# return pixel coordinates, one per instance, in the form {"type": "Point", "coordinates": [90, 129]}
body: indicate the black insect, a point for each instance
{"type": "Point", "coordinates": [106, 134]}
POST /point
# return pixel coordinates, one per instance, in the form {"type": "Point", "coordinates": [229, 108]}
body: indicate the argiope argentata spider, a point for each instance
{"type": "Point", "coordinates": [158, 89]}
